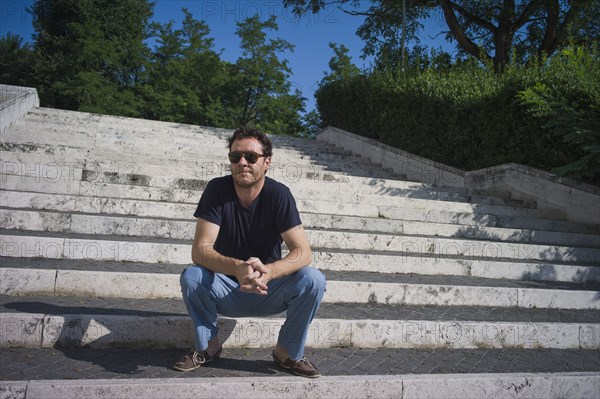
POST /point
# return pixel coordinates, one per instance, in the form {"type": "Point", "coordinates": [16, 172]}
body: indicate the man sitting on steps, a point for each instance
{"type": "Point", "coordinates": [238, 270]}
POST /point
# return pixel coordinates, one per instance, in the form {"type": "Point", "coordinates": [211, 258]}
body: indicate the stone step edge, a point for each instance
{"type": "Point", "coordinates": [327, 259]}
{"type": "Point", "coordinates": [313, 171]}
{"type": "Point", "coordinates": [394, 183]}
{"type": "Point", "coordinates": [38, 330]}
{"type": "Point", "coordinates": [62, 221]}
{"type": "Point", "coordinates": [42, 244]}
{"type": "Point", "coordinates": [418, 386]}
{"type": "Point", "coordinates": [149, 126]}
{"type": "Point", "coordinates": [476, 205]}
{"type": "Point", "coordinates": [215, 153]}
{"type": "Point", "coordinates": [458, 220]}
{"type": "Point", "coordinates": [351, 207]}
{"type": "Point", "coordinates": [87, 283]}
{"type": "Point", "coordinates": [58, 112]}
{"type": "Point", "coordinates": [302, 168]}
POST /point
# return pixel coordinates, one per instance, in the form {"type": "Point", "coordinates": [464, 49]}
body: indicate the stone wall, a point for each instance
{"type": "Point", "coordinates": [578, 202]}
{"type": "Point", "coordinates": [15, 102]}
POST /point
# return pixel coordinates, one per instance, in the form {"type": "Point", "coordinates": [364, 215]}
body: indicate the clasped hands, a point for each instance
{"type": "Point", "coordinates": [253, 276]}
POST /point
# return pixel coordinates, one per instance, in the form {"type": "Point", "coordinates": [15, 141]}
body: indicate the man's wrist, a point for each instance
{"type": "Point", "coordinates": [274, 271]}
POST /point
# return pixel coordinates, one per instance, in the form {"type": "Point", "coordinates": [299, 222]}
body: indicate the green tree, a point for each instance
{"type": "Point", "coordinates": [259, 92]}
{"type": "Point", "coordinates": [340, 65]}
{"type": "Point", "coordinates": [566, 102]}
{"type": "Point", "coordinates": [15, 61]}
{"type": "Point", "coordinates": [184, 74]}
{"type": "Point", "coordinates": [90, 53]}
{"type": "Point", "coordinates": [312, 124]}
{"type": "Point", "coordinates": [487, 30]}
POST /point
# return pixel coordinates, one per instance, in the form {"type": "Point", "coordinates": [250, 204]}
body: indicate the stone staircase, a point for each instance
{"type": "Point", "coordinates": [432, 291]}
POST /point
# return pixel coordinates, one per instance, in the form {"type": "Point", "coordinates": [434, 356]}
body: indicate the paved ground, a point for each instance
{"type": "Point", "coordinates": [36, 364]}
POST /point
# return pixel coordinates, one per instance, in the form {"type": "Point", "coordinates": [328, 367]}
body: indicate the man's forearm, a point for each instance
{"type": "Point", "coordinates": [208, 257]}
{"type": "Point", "coordinates": [295, 260]}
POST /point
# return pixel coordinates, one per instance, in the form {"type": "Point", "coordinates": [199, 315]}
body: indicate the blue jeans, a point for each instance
{"type": "Point", "coordinates": [206, 293]}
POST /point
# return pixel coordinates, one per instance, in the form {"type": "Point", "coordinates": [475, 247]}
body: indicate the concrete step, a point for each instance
{"type": "Point", "coordinates": [58, 154]}
{"type": "Point", "coordinates": [95, 277]}
{"type": "Point", "coordinates": [326, 258]}
{"type": "Point", "coordinates": [355, 204]}
{"type": "Point", "coordinates": [50, 161]}
{"type": "Point", "coordinates": [409, 227]}
{"type": "Point", "coordinates": [47, 322]}
{"type": "Point", "coordinates": [27, 131]}
{"type": "Point", "coordinates": [178, 250]}
{"type": "Point", "coordinates": [29, 137]}
{"type": "Point", "coordinates": [300, 177]}
{"type": "Point", "coordinates": [309, 148]}
{"type": "Point", "coordinates": [38, 118]}
{"type": "Point", "coordinates": [356, 166]}
{"type": "Point", "coordinates": [214, 164]}
{"type": "Point", "coordinates": [347, 372]}
{"type": "Point", "coordinates": [37, 175]}
{"type": "Point", "coordinates": [63, 161]}
{"type": "Point", "coordinates": [17, 138]}
{"type": "Point", "coordinates": [167, 227]}
{"type": "Point", "coordinates": [338, 218]}
{"type": "Point", "coordinates": [453, 266]}
{"type": "Point", "coordinates": [49, 117]}
{"type": "Point", "coordinates": [423, 263]}
{"type": "Point", "coordinates": [304, 185]}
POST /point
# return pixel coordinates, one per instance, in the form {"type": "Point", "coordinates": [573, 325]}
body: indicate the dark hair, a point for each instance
{"type": "Point", "coordinates": [248, 132]}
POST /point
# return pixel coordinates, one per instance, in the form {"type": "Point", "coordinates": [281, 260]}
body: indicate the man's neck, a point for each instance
{"type": "Point", "coordinates": [247, 195]}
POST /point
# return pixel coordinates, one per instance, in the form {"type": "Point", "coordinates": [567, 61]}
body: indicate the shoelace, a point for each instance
{"type": "Point", "coordinates": [304, 359]}
{"type": "Point", "coordinates": [198, 358]}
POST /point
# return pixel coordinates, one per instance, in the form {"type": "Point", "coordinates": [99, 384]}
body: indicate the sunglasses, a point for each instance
{"type": "Point", "coordinates": [251, 157]}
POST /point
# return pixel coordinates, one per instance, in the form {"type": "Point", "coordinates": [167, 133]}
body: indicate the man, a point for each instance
{"type": "Point", "coordinates": [238, 269]}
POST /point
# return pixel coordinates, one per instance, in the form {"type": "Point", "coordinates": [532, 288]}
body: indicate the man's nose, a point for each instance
{"type": "Point", "coordinates": [243, 161]}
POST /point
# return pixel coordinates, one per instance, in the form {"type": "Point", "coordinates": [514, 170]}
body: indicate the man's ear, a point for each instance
{"type": "Point", "coordinates": [267, 163]}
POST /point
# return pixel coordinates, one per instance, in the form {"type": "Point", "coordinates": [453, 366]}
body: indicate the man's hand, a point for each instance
{"type": "Point", "coordinates": [253, 276]}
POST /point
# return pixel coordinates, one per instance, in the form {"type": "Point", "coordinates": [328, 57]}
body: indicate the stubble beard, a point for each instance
{"type": "Point", "coordinates": [244, 182]}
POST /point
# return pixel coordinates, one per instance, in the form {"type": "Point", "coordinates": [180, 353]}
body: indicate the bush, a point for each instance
{"type": "Point", "coordinates": [566, 102]}
{"type": "Point", "coordinates": [467, 117]}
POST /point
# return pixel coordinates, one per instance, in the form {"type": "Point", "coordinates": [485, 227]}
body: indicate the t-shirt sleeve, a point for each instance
{"type": "Point", "coordinates": [286, 212]}
{"type": "Point", "coordinates": [209, 207]}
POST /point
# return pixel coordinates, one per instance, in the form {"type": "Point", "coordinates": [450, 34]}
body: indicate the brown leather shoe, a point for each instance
{"type": "Point", "coordinates": [301, 367]}
{"type": "Point", "coordinates": [194, 359]}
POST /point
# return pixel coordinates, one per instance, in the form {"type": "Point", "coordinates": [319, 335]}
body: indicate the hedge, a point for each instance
{"type": "Point", "coordinates": [467, 117]}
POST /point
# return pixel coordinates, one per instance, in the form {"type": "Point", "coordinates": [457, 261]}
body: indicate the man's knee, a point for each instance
{"type": "Point", "coordinates": [312, 278]}
{"type": "Point", "coordinates": [195, 275]}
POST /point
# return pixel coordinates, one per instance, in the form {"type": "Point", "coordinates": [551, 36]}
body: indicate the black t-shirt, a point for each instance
{"type": "Point", "coordinates": [253, 231]}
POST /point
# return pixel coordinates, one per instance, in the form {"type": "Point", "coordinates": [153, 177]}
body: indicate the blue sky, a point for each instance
{"type": "Point", "coordinates": [310, 34]}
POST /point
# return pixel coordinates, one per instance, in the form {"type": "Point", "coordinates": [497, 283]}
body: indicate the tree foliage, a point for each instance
{"type": "Point", "coordinates": [260, 91]}
{"type": "Point", "coordinates": [89, 53]}
{"type": "Point", "coordinates": [15, 60]}
{"type": "Point", "coordinates": [546, 115]}
{"type": "Point", "coordinates": [182, 73]}
{"type": "Point", "coordinates": [493, 30]}
{"type": "Point", "coordinates": [107, 56]}
{"type": "Point", "coordinates": [566, 102]}
{"type": "Point", "coordinates": [340, 65]}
